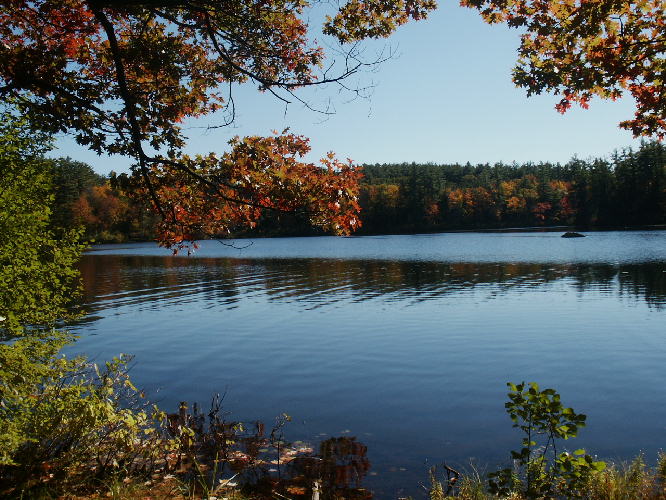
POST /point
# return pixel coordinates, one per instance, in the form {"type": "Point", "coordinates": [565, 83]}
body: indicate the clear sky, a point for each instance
{"type": "Point", "coordinates": [445, 97]}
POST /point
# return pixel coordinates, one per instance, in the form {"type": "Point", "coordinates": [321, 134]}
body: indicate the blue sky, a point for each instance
{"type": "Point", "coordinates": [445, 97]}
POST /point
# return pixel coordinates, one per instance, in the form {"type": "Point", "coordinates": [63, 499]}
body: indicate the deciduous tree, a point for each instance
{"type": "Point", "coordinates": [585, 48]}
{"type": "Point", "coordinates": [122, 75]}
{"type": "Point", "coordinates": [38, 281]}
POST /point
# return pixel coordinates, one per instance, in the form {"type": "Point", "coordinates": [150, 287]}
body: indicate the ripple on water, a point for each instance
{"type": "Point", "coordinates": [407, 343]}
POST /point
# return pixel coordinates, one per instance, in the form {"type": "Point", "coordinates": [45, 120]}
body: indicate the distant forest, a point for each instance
{"type": "Point", "coordinates": [627, 189]}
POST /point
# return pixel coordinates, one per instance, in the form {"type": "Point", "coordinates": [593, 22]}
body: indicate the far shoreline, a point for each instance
{"type": "Point", "coordinates": [518, 229]}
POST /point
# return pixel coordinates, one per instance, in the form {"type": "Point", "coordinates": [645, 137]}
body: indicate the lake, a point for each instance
{"type": "Point", "coordinates": [405, 342]}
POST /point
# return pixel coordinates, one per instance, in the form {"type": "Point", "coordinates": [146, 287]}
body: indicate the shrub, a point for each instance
{"type": "Point", "coordinates": [66, 422]}
{"type": "Point", "coordinates": [539, 470]}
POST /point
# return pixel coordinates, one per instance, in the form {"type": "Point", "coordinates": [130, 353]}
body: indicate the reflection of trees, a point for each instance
{"type": "Point", "coordinates": [113, 281]}
{"type": "Point", "coordinates": [337, 471]}
{"type": "Point", "coordinates": [116, 281]}
{"type": "Point", "coordinates": [214, 446]}
{"type": "Point", "coordinates": [645, 280]}
{"type": "Point", "coordinates": [342, 463]}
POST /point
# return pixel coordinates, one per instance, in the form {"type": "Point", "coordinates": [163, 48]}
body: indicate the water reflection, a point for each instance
{"type": "Point", "coordinates": [337, 471]}
{"type": "Point", "coordinates": [264, 458]}
{"type": "Point", "coordinates": [112, 281]}
{"type": "Point", "coordinates": [410, 355]}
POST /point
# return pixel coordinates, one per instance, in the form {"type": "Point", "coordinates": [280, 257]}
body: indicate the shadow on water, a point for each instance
{"type": "Point", "coordinates": [113, 281]}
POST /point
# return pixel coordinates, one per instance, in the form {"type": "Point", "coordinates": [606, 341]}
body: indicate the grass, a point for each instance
{"type": "Point", "coordinates": [126, 488]}
{"type": "Point", "coordinates": [626, 481]}
{"type": "Point", "coordinates": [209, 457]}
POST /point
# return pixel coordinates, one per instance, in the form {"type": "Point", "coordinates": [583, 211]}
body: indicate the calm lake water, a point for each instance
{"type": "Point", "coordinates": [405, 342]}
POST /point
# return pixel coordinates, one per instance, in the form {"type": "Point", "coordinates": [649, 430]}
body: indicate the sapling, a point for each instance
{"type": "Point", "coordinates": [539, 471]}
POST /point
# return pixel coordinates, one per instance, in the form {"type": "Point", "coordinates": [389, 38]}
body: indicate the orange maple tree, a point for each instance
{"type": "Point", "coordinates": [216, 195]}
{"type": "Point", "coordinates": [122, 75]}
{"type": "Point", "coordinates": [585, 48]}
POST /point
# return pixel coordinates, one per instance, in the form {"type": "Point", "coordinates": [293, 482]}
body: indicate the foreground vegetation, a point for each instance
{"type": "Point", "coordinates": [61, 420]}
{"type": "Point", "coordinates": [540, 472]}
{"type": "Point", "coordinates": [630, 481]}
{"type": "Point", "coordinates": [196, 455]}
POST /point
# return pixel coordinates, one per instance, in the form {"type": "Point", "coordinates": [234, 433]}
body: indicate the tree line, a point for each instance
{"type": "Point", "coordinates": [106, 212]}
{"type": "Point", "coordinates": [627, 189]}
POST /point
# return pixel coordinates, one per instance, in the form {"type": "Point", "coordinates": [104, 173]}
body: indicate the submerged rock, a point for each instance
{"type": "Point", "coordinates": [572, 234]}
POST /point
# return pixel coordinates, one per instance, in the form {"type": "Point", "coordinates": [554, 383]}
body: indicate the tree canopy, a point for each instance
{"type": "Point", "coordinates": [585, 48]}
{"type": "Point", "coordinates": [122, 75]}
{"type": "Point", "coordinates": [627, 189]}
{"type": "Point", "coordinates": [38, 281]}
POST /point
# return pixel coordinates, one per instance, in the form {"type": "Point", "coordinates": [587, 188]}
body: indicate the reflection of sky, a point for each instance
{"type": "Point", "coordinates": [612, 247]}
{"type": "Point", "coordinates": [409, 356]}
{"type": "Point", "coordinates": [446, 97]}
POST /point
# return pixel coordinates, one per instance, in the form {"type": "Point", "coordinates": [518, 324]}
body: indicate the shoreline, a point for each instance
{"type": "Point", "coordinates": [517, 229]}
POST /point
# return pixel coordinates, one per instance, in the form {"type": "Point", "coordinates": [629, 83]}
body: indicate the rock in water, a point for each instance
{"type": "Point", "coordinates": [572, 234]}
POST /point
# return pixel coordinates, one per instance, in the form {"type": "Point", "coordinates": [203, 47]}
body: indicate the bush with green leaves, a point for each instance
{"type": "Point", "coordinates": [66, 422]}
{"type": "Point", "coordinates": [624, 481]}
{"type": "Point", "coordinates": [62, 420]}
{"type": "Point", "coordinates": [540, 471]}
{"type": "Point", "coordinates": [39, 282]}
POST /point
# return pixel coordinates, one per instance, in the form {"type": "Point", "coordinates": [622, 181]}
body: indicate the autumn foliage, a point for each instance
{"type": "Point", "coordinates": [123, 75]}
{"type": "Point", "coordinates": [585, 48]}
{"type": "Point", "coordinates": [221, 195]}
{"type": "Point", "coordinates": [629, 189]}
